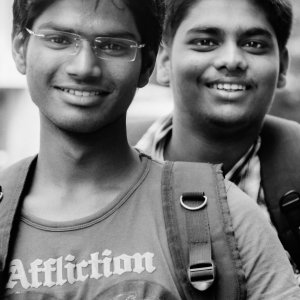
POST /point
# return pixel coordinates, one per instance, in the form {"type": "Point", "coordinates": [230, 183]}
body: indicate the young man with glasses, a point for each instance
{"type": "Point", "coordinates": [83, 219]}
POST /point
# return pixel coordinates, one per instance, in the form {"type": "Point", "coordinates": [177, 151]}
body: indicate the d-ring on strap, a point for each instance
{"type": "Point", "coordinates": [201, 267]}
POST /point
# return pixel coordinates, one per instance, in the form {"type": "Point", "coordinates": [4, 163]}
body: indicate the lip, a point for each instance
{"type": "Point", "coordinates": [230, 86]}
{"type": "Point", "coordinates": [82, 96]}
{"type": "Point", "coordinates": [229, 89]}
{"type": "Point", "coordinates": [83, 91]}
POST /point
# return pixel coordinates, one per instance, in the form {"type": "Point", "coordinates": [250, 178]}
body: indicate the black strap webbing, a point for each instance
{"type": "Point", "coordinates": [194, 235]}
{"type": "Point", "coordinates": [12, 185]}
{"type": "Point", "coordinates": [201, 270]}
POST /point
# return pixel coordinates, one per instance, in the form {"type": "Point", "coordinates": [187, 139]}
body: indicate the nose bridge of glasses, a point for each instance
{"type": "Point", "coordinates": [92, 42]}
{"type": "Point", "coordinates": [78, 41]}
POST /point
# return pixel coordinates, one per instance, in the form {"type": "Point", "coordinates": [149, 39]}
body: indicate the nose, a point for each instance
{"type": "Point", "coordinates": [84, 64]}
{"type": "Point", "coordinates": [231, 58]}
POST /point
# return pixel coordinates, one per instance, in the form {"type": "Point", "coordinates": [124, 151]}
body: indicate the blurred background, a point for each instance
{"type": "Point", "coordinates": [19, 121]}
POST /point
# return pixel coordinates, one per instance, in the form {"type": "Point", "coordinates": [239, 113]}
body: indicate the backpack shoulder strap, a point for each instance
{"type": "Point", "coordinates": [201, 238]}
{"type": "Point", "coordinates": [280, 170]}
{"type": "Point", "coordinates": [12, 182]}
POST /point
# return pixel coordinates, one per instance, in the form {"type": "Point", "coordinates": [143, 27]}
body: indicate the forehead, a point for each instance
{"type": "Point", "coordinates": [228, 15]}
{"type": "Point", "coordinates": [99, 16]}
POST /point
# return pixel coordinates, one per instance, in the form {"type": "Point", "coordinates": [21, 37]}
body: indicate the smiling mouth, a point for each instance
{"type": "Point", "coordinates": [228, 87]}
{"type": "Point", "coordinates": [83, 93]}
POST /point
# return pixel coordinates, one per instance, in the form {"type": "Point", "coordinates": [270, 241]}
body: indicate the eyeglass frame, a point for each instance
{"type": "Point", "coordinates": [78, 42]}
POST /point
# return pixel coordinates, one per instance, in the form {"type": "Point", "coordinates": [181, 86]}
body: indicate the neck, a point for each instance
{"type": "Point", "coordinates": [189, 143]}
{"type": "Point", "coordinates": [78, 174]}
{"type": "Point", "coordinates": [89, 157]}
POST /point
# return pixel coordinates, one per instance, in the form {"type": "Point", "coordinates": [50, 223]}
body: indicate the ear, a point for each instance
{"type": "Point", "coordinates": [147, 68]}
{"type": "Point", "coordinates": [19, 44]}
{"type": "Point", "coordinates": [284, 63]}
{"type": "Point", "coordinates": [163, 66]}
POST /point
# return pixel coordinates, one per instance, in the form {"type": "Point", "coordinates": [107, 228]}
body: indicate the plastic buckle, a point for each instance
{"type": "Point", "coordinates": [290, 201]}
{"type": "Point", "coordinates": [202, 275]}
{"type": "Point", "coordinates": [193, 197]}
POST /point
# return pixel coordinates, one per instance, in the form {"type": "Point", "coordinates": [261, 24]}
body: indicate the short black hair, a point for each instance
{"type": "Point", "coordinates": [279, 13]}
{"type": "Point", "coordinates": [148, 15]}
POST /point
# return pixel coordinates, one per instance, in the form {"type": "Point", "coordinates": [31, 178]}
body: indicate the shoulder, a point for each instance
{"type": "Point", "coordinates": [242, 208]}
{"type": "Point", "coordinates": [277, 121]}
{"type": "Point", "coordinates": [154, 167]}
{"type": "Point", "coordinates": [267, 269]}
{"type": "Point", "coordinates": [16, 171]}
{"type": "Point", "coordinates": [12, 182]}
{"type": "Point", "coordinates": [279, 151]}
{"type": "Point", "coordinates": [274, 126]}
{"type": "Point", "coordinates": [280, 140]}
{"type": "Point", "coordinates": [155, 134]}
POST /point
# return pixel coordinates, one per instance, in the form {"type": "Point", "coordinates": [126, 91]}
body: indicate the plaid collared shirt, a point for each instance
{"type": "Point", "coordinates": [245, 173]}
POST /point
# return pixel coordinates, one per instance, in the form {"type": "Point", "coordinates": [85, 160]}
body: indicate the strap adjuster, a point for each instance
{"type": "Point", "coordinates": [1, 193]}
{"type": "Point", "coordinates": [202, 275]}
{"type": "Point", "coordinates": [290, 206]}
{"type": "Point", "coordinates": [290, 201]}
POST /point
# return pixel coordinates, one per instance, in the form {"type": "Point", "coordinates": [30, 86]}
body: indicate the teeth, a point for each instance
{"type": "Point", "coordinates": [229, 86]}
{"type": "Point", "coordinates": [81, 93]}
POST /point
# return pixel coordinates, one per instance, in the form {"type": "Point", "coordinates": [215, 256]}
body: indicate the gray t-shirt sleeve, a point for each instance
{"type": "Point", "coordinates": [269, 274]}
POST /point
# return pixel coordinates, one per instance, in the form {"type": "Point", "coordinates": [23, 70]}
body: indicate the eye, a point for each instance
{"type": "Point", "coordinates": [256, 47]}
{"type": "Point", "coordinates": [254, 44]}
{"type": "Point", "coordinates": [113, 47]}
{"type": "Point", "coordinates": [59, 39]}
{"type": "Point", "coordinates": [204, 44]}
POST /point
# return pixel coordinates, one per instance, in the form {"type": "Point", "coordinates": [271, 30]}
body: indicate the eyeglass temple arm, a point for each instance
{"type": "Point", "coordinates": [33, 33]}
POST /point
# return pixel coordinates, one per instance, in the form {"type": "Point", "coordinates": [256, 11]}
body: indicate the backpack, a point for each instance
{"type": "Point", "coordinates": [196, 214]}
{"type": "Point", "coordinates": [280, 173]}
{"type": "Point", "coordinates": [210, 268]}
{"type": "Point", "coordinates": [281, 148]}
{"type": "Point", "coordinates": [14, 181]}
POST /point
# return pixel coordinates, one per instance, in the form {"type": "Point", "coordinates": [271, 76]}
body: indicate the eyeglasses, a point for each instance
{"type": "Point", "coordinates": [108, 48]}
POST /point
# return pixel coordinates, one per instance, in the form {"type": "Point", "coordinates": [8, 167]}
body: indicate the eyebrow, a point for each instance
{"type": "Point", "coordinates": [53, 26]}
{"type": "Point", "coordinates": [61, 27]}
{"type": "Point", "coordinates": [207, 30]}
{"type": "Point", "coordinates": [253, 31]}
{"type": "Point", "coordinates": [257, 31]}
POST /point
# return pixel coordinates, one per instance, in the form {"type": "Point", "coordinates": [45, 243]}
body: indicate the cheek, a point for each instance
{"type": "Point", "coordinates": [188, 65]}
{"type": "Point", "coordinates": [126, 84]}
{"type": "Point", "coordinates": [38, 66]}
{"type": "Point", "coordinates": [186, 77]}
{"type": "Point", "coordinates": [268, 82]}
{"type": "Point", "coordinates": [125, 79]}
{"type": "Point", "coordinates": [271, 76]}
{"type": "Point", "coordinates": [37, 80]}
{"type": "Point", "coordinates": [124, 73]}
{"type": "Point", "coordinates": [267, 71]}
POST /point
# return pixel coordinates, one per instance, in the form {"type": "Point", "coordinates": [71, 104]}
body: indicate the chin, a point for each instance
{"type": "Point", "coordinates": [79, 127]}
{"type": "Point", "coordinates": [229, 122]}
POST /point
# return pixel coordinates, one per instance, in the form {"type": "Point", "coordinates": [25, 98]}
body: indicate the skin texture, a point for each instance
{"type": "Point", "coordinates": [220, 42]}
{"type": "Point", "coordinates": [84, 160]}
